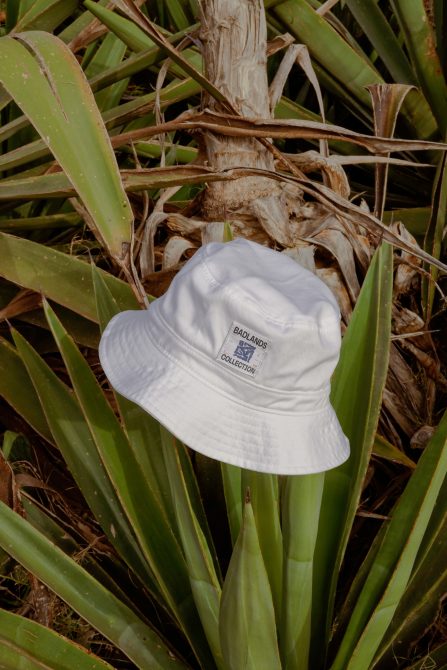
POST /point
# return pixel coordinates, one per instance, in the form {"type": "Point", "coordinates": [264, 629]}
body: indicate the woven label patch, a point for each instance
{"type": "Point", "coordinates": [243, 350]}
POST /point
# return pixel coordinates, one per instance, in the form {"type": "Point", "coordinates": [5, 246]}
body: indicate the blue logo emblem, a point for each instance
{"type": "Point", "coordinates": [244, 351]}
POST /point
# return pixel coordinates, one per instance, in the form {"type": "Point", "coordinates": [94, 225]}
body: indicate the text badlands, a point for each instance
{"type": "Point", "coordinates": [250, 338]}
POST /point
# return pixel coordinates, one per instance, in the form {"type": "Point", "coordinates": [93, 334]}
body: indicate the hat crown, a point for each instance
{"type": "Point", "coordinates": [240, 304]}
{"type": "Point", "coordinates": [235, 360]}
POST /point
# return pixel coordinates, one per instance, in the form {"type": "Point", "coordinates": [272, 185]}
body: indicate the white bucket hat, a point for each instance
{"type": "Point", "coordinates": [235, 360]}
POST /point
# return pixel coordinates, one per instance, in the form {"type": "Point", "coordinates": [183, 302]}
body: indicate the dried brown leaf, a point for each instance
{"type": "Point", "coordinates": [302, 159]}
{"type": "Point", "coordinates": [403, 395]}
{"type": "Point", "coordinates": [311, 161]}
{"type": "Point", "coordinates": [386, 100]}
{"type": "Point", "coordinates": [278, 43]}
{"type": "Point", "coordinates": [137, 180]}
{"type": "Point", "coordinates": [339, 246]}
{"type": "Point", "coordinates": [304, 255]}
{"type": "Point", "coordinates": [25, 301]}
{"type": "Point", "coordinates": [6, 482]}
{"type": "Point", "coordinates": [174, 250]}
{"type": "Point", "coordinates": [334, 280]}
{"type": "Point", "coordinates": [94, 30]}
{"type": "Point", "coordinates": [237, 126]}
{"type": "Point", "coordinates": [213, 232]}
{"type": "Point", "coordinates": [421, 437]}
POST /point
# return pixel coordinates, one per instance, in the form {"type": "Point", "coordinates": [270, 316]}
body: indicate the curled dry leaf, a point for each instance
{"type": "Point", "coordinates": [386, 100]}
{"type": "Point", "coordinates": [146, 256]}
{"type": "Point", "coordinates": [278, 43]}
{"type": "Point", "coordinates": [338, 245]}
{"type": "Point", "coordinates": [312, 161]}
{"type": "Point", "coordinates": [174, 250]}
{"type": "Point", "coordinates": [297, 53]}
{"type": "Point", "coordinates": [184, 225]}
{"type": "Point", "coordinates": [333, 279]}
{"type": "Point", "coordinates": [407, 270]}
{"type": "Point", "coordinates": [421, 437]}
{"type": "Point", "coordinates": [405, 321]}
{"type": "Point", "coordinates": [147, 252]}
{"type": "Point", "coordinates": [272, 214]}
{"type": "Point", "coordinates": [304, 255]}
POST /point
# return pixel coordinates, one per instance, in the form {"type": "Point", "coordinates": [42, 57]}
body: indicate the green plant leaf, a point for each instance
{"type": "Point", "coordinates": [300, 513]}
{"type": "Point", "coordinates": [247, 616]}
{"type": "Point", "coordinates": [64, 220]}
{"type": "Point", "coordinates": [434, 236]}
{"type": "Point", "coordinates": [147, 449]}
{"type": "Point", "coordinates": [83, 593]}
{"type": "Point", "coordinates": [142, 429]}
{"type": "Point", "coordinates": [75, 442]}
{"type": "Point", "coordinates": [345, 64]}
{"type": "Point", "coordinates": [357, 386]}
{"type": "Point", "coordinates": [109, 54]}
{"type": "Point", "coordinates": [177, 14]}
{"type": "Point", "coordinates": [264, 498]}
{"type": "Point", "coordinates": [135, 38]}
{"type": "Point", "coordinates": [421, 44]}
{"type": "Point", "coordinates": [41, 647]}
{"type": "Point", "coordinates": [203, 577]}
{"type": "Point", "coordinates": [421, 602]}
{"type": "Point", "coordinates": [47, 83]}
{"type": "Point", "coordinates": [394, 561]}
{"type": "Point", "coordinates": [62, 278]}
{"type": "Point", "coordinates": [232, 478]}
{"type": "Point", "coordinates": [372, 20]}
{"type": "Point", "coordinates": [386, 450]}
{"type": "Point", "coordinates": [143, 510]}
{"type": "Point", "coordinates": [45, 15]}
{"type": "Point", "coordinates": [16, 388]}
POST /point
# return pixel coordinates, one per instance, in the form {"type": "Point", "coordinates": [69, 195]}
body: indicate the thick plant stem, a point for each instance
{"type": "Point", "coordinates": [234, 38]}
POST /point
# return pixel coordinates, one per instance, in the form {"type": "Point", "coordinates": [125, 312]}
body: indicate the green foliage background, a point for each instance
{"type": "Point", "coordinates": [173, 560]}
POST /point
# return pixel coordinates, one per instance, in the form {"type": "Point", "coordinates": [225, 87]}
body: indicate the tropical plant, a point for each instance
{"type": "Point", "coordinates": [174, 560]}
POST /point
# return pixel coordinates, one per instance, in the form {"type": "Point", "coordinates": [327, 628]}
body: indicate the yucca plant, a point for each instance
{"type": "Point", "coordinates": [174, 560]}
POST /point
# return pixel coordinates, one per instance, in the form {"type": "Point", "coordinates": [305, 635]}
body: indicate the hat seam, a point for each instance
{"type": "Point", "coordinates": [224, 394]}
{"type": "Point", "coordinates": [233, 456]}
{"type": "Point", "coordinates": [308, 322]}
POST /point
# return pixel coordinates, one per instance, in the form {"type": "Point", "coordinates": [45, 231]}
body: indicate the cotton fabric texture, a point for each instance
{"type": "Point", "coordinates": [235, 360]}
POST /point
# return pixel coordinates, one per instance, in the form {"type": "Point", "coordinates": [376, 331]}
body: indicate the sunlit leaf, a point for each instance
{"type": "Point", "coordinates": [83, 593]}
{"type": "Point", "coordinates": [394, 561]}
{"type": "Point", "coordinates": [357, 387]}
{"type": "Point", "coordinates": [31, 642]}
{"type": "Point", "coordinates": [62, 278]}
{"type": "Point", "coordinates": [247, 617]}
{"type": "Point", "coordinates": [47, 83]}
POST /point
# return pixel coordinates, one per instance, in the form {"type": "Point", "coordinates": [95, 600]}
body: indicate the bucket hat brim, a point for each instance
{"type": "Point", "coordinates": [141, 369]}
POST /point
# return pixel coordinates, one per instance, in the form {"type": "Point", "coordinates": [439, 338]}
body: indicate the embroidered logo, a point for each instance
{"type": "Point", "coordinates": [243, 350]}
